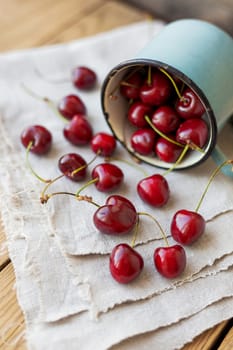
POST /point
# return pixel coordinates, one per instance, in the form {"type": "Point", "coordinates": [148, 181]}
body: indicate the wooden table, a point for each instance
{"type": "Point", "coordinates": [31, 23]}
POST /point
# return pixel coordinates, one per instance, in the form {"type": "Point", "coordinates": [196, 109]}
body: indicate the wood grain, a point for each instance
{"type": "Point", "coordinates": [207, 339]}
{"type": "Point", "coordinates": [11, 318]}
{"type": "Point", "coordinates": [29, 23]}
{"type": "Point", "coordinates": [4, 259]}
{"type": "Point", "coordinates": [227, 343]}
{"type": "Point", "coordinates": [40, 21]}
{"type": "Point", "coordinates": [106, 17]}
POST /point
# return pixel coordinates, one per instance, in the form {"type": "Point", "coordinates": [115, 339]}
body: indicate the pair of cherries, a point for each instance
{"type": "Point", "coordinates": [118, 217]}
{"type": "Point", "coordinates": [164, 123]}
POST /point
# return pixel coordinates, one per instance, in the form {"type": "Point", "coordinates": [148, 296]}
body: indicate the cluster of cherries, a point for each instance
{"type": "Point", "coordinates": [118, 216]}
{"type": "Point", "coordinates": [164, 121]}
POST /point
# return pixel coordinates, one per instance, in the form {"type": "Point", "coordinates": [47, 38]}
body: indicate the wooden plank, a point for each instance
{"type": "Point", "coordinates": [11, 317]}
{"type": "Point", "coordinates": [110, 15]}
{"type": "Point", "coordinates": [42, 24]}
{"type": "Point", "coordinates": [227, 343]}
{"type": "Point", "coordinates": [207, 339]}
{"type": "Point", "coordinates": [4, 259]}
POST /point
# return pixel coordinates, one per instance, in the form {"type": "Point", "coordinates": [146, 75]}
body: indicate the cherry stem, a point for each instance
{"type": "Point", "coordinates": [214, 173]}
{"type": "Point", "coordinates": [86, 165]}
{"type": "Point", "coordinates": [178, 161]}
{"type": "Point", "coordinates": [109, 159]}
{"type": "Point", "coordinates": [135, 233]}
{"type": "Point", "coordinates": [195, 147]}
{"type": "Point", "coordinates": [189, 143]}
{"type": "Point", "coordinates": [182, 88]}
{"type": "Point", "coordinates": [111, 95]}
{"type": "Point", "coordinates": [172, 81]}
{"type": "Point", "coordinates": [149, 79]}
{"type": "Point", "coordinates": [161, 133]}
{"type": "Point", "coordinates": [30, 166]}
{"type": "Point", "coordinates": [43, 195]}
{"type": "Point", "coordinates": [127, 84]}
{"type": "Point", "coordinates": [88, 199]}
{"type": "Point", "coordinates": [49, 102]}
{"type": "Point", "coordinates": [79, 198]}
{"type": "Point", "coordinates": [158, 224]}
{"type": "Point", "coordinates": [131, 101]}
{"type": "Point", "coordinates": [86, 185]}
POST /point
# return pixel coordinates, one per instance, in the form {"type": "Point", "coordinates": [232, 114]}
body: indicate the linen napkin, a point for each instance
{"type": "Point", "coordinates": [59, 257]}
{"type": "Point", "coordinates": [131, 319]}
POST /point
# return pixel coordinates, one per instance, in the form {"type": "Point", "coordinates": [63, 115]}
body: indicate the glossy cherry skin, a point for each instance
{"type": "Point", "coordinates": [125, 263]}
{"type": "Point", "coordinates": [104, 144]}
{"type": "Point", "coordinates": [131, 89]}
{"type": "Point", "coordinates": [187, 226]}
{"type": "Point", "coordinates": [143, 141]}
{"type": "Point", "coordinates": [137, 112]}
{"type": "Point", "coordinates": [189, 106]}
{"type": "Point", "coordinates": [194, 131]}
{"type": "Point", "coordinates": [70, 162]}
{"type": "Point", "coordinates": [154, 190]}
{"type": "Point", "coordinates": [109, 176]}
{"type": "Point", "coordinates": [71, 105]}
{"type": "Point", "coordinates": [84, 78]}
{"type": "Point", "coordinates": [116, 199]}
{"type": "Point", "coordinates": [118, 216]}
{"type": "Point", "coordinates": [78, 131]}
{"type": "Point", "coordinates": [170, 261]}
{"type": "Point", "coordinates": [165, 119]}
{"type": "Point", "coordinates": [40, 137]}
{"type": "Point", "coordinates": [167, 151]}
{"type": "Point", "coordinates": [158, 92]}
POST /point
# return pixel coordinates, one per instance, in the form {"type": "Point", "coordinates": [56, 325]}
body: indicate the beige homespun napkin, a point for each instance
{"type": "Point", "coordinates": [133, 318]}
{"type": "Point", "coordinates": [51, 282]}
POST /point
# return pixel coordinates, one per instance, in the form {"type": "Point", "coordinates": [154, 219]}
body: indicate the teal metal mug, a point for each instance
{"type": "Point", "coordinates": [196, 52]}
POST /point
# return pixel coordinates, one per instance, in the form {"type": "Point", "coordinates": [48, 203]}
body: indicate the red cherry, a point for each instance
{"type": "Point", "coordinates": [190, 106]}
{"type": "Point", "coordinates": [143, 141]}
{"type": "Point", "coordinates": [40, 137]}
{"type": "Point", "coordinates": [187, 226]}
{"type": "Point", "coordinates": [116, 199]}
{"type": "Point", "coordinates": [158, 91]}
{"type": "Point", "coordinates": [154, 190]}
{"type": "Point", "coordinates": [166, 150]}
{"type": "Point", "coordinates": [103, 143]}
{"type": "Point", "coordinates": [131, 89]}
{"type": "Point", "coordinates": [71, 105]}
{"type": "Point", "coordinates": [137, 112]}
{"type": "Point", "coordinates": [165, 119]}
{"type": "Point", "coordinates": [194, 131]}
{"type": "Point", "coordinates": [109, 176]}
{"type": "Point", "coordinates": [117, 216]}
{"type": "Point", "coordinates": [125, 263]}
{"type": "Point", "coordinates": [84, 78]}
{"type": "Point", "coordinates": [78, 131]}
{"type": "Point", "coordinates": [70, 162]}
{"type": "Point", "coordinates": [170, 261]}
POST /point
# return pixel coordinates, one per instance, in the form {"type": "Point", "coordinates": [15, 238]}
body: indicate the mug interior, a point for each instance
{"type": "Point", "coordinates": [115, 108]}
